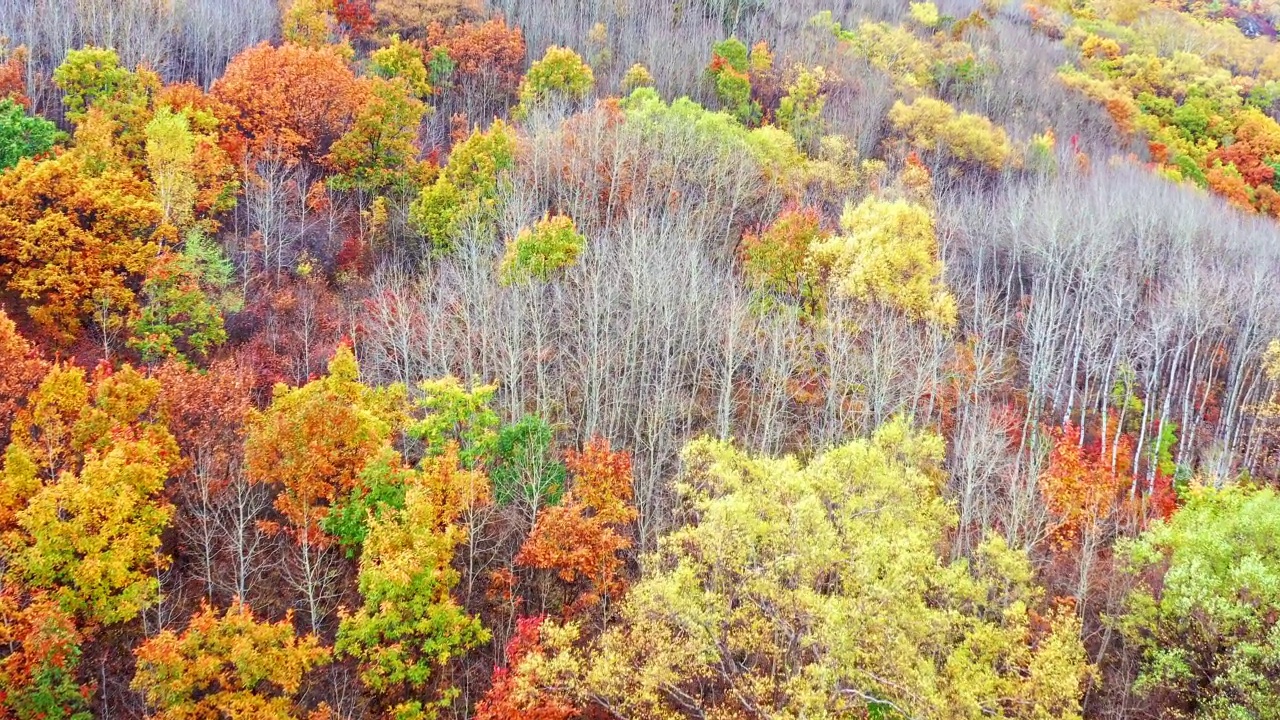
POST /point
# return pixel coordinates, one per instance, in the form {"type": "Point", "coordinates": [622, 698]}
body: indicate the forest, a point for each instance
{"type": "Point", "coordinates": [639, 359]}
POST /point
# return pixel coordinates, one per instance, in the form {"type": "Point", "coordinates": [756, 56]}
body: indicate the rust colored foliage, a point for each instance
{"type": "Point", "coordinates": [23, 369]}
{"type": "Point", "coordinates": [356, 16]}
{"type": "Point", "coordinates": [312, 442]}
{"type": "Point", "coordinates": [583, 539]}
{"type": "Point", "coordinates": [487, 55]}
{"type": "Point", "coordinates": [291, 102]}
{"type": "Point", "coordinates": [507, 698]}
{"type": "Point", "coordinates": [13, 77]}
{"type": "Point", "coordinates": [1081, 486]}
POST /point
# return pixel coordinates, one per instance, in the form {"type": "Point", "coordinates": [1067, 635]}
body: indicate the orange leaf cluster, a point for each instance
{"type": "Point", "coordinates": [584, 536]}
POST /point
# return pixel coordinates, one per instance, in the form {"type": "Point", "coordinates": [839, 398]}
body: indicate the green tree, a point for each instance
{"type": "Point", "coordinates": [552, 245]}
{"type": "Point", "coordinates": [1204, 613]}
{"type": "Point", "coordinates": [22, 135]}
{"type": "Point", "coordinates": [467, 189]}
{"type": "Point", "coordinates": [380, 152]}
{"type": "Point", "coordinates": [561, 75]}
{"type": "Point", "coordinates": [800, 111]}
{"type": "Point", "coordinates": [401, 59]}
{"type": "Point", "coordinates": [409, 626]}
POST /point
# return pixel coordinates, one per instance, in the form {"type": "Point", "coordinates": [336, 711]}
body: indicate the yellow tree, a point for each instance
{"type": "Point", "coordinates": [226, 666]}
{"type": "Point", "coordinates": [818, 591]}
{"type": "Point", "coordinates": [171, 156]}
{"type": "Point", "coordinates": [75, 244]}
{"type": "Point", "coordinates": [887, 253]}
{"type": "Point", "coordinates": [81, 494]}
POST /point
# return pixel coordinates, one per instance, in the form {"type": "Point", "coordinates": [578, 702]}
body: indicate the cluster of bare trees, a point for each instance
{"type": "Point", "coordinates": [181, 39]}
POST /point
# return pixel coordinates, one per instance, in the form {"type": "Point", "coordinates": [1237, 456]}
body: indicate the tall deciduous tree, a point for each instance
{"type": "Point", "coordinates": [292, 102]}
{"type": "Point", "coordinates": [410, 626]}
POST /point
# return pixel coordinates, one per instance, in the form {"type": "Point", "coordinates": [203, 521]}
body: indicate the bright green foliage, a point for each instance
{"type": "Point", "coordinates": [552, 245]}
{"type": "Point", "coordinates": [561, 75]}
{"type": "Point", "coordinates": [91, 74]}
{"type": "Point", "coordinates": [888, 254]}
{"type": "Point", "coordinates": [400, 59]}
{"type": "Point", "coordinates": [226, 666]}
{"type": "Point", "coordinates": [526, 470]}
{"type": "Point", "coordinates": [800, 111]}
{"type": "Point", "coordinates": [817, 591]}
{"type": "Point", "coordinates": [379, 486]}
{"type": "Point", "coordinates": [460, 417]}
{"type": "Point", "coordinates": [380, 151]}
{"type": "Point", "coordinates": [81, 491]}
{"type": "Point", "coordinates": [178, 319]}
{"type": "Point", "coordinates": [1207, 628]}
{"type": "Point", "coordinates": [730, 73]}
{"type": "Point", "coordinates": [732, 52]}
{"type": "Point", "coordinates": [637, 76]}
{"type": "Point", "coordinates": [214, 269]}
{"type": "Point", "coordinates": [409, 625]}
{"type": "Point", "coordinates": [467, 188]}
{"type": "Point", "coordinates": [171, 152]}
{"type": "Point", "coordinates": [22, 135]}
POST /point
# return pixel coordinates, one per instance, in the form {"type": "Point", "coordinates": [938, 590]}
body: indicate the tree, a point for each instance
{"type": "Point", "coordinates": [39, 674]}
{"type": "Point", "coordinates": [934, 126]}
{"type": "Point", "coordinates": [525, 470]}
{"type": "Point", "coordinates": [91, 75]}
{"type": "Point", "coordinates": [82, 482]}
{"type": "Point", "coordinates": [551, 246]}
{"type": "Point", "coordinates": [800, 111]}
{"type": "Point", "coordinates": [226, 665]}
{"type": "Point", "coordinates": [510, 696]}
{"type": "Point", "coordinates": [380, 152]}
{"type": "Point", "coordinates": [730, 74]}
{"type": "Point", "coordinates": [775, 259]}
{"type": "Point", "coordinates": [466, 191]}
{"type": "Point", "coordinates": [560, 76]}
{"type": "Point", "coordinates": [817, 591]}
{"type": "Point", "coordinates": [171, 155]}
{"type": "Point", "coordinates": [72, 241]}
{"type": "Point", "coordinates": [402, 59]}
{"type": "Point", "coordinates": [177, 318]}
{"type": "Point", "coordinates": [1203, 615]}
{"type": "Point", "coordinates": [23, 136]}
{"type": "Point", "coordinates": [24, 368]}
{"type": "Point", "coordinates": [410, 626]}
{"type": "Point", "coordinates": [292, 102]}
{"type": "Point", "coordinates": [312, 443]}
{"type": "Point", "coordinates": [889, 254]}
{"type": "Point", "coordinates": [486, 58]}
{"type": "Point", "coordinates": [458, 417]}
{"type": "Point", "coordinates": [583, 538]}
